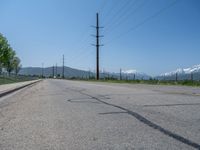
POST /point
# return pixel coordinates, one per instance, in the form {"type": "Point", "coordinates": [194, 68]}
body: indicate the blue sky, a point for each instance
{"type": "Point", "coordinates": [41, 31]}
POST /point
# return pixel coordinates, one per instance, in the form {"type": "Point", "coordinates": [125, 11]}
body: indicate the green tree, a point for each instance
{"type": "Point", "coordinates": [3, 49]}
{"type": "Point", "coordinates": [8, 58]}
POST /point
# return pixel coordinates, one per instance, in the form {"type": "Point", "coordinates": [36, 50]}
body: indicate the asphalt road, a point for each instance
{"type": "Point", "coordinates": [74, 115]}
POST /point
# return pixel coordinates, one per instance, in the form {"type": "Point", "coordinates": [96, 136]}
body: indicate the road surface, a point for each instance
{"type": "Point", "coordinates": [75, 115]}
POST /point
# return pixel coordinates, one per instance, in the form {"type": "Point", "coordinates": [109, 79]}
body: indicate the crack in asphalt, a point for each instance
{"type": "Point", "coordinates": [145, 121]}
{"type": "Point", "coordinates": [82, 100]}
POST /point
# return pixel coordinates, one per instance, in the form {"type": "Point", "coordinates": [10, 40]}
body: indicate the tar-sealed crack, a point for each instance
{"type": "Point", "coordinates": [144, 120]}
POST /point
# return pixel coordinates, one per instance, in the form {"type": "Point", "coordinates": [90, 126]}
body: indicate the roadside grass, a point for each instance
{"type": "Point", "coordinates": [8, 80]}
{"type": "Point", "coordinates": [157, 82]}
{"type": "Point", "coordinates": [151, 82]}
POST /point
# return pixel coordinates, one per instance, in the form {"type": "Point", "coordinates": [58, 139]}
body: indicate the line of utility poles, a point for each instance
{"type": "Point", "coordinates": [97, 53]}
{"type": "Point", "coordinates": [97, 45]}
{"type": "Point", "coordinates": [55, 69]}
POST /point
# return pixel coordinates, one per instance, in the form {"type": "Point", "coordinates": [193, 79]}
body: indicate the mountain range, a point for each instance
{"type": "Point", "coordinates": [193, 69]}
{"type": "Point", "coordinates": [49, 71]}
{"type": "Point", "coordinates": [76, 73]}
{"type": "Point", "coordinates": [191, 73]}
{"type": "Point", "coordinates": [180, 73]}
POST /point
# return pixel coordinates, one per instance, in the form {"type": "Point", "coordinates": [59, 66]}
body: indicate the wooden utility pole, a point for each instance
{"type": "Point", "coordinates": [42, 70]}
{"type": "Point", "coordinates": [63, 68]}
{"type": "Point", "coordinates": [56, 70]}
{"type": "Point", "coordinates": [191, 76]}
{"type": "Point", "coordinates": [97, 46]}
{"type": "Point", "coordinates": [120, 75]}
{"type": "Point", "coordinates": [53, 71]}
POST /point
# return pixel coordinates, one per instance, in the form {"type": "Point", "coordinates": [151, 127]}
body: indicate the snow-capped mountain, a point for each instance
{"type": "Point", "coordinates": [132, 73]}
{"type": "Point", "coordinates": [191, 73]}
{"type": "Point", "coordinates": [129, 74]}
{"type": "Point", "coordinates": [193, 69]}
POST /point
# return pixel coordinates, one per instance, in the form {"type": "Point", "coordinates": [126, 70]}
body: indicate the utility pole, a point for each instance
{"type": "Point", "coordinates": [97, 45]}
{"type": "Point", "coordinates": [53, 71]}
{"type": "Point", "coordinates": [176, 77]}
{"type": "Point", "coordinates": [56, 70]}
{"type": "Point", "coordinates": [42, 70]}
{"type": "Point", "coordinates": [120, 75]}
{"type": "Point", "coordinates": [191, 76]}
{"type": "Point", "coordinates": [89, 74]}
{"type": "Point", "coordinates": [63, 69]}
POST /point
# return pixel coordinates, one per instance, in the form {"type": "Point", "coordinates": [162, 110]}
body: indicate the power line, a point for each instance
{"type": "Point", "coordinates": [121, 12]}
{"type": "Point", "coordinates": [124, 17]}
{"type": "Point", "coordinates": [103, 6]}
{"type": "Point", "coordinates": [82, 42]}
{"type": "Point", "coordinates": [82, 48]}
{"type": "Point", "coordinates": [86, 53]}
{"type": "Point", "coordinates": [107, 13]}
{"type": "Point", "coordinates": [124, 5]}
{"type": "Point", "coordinates": [144, 21]}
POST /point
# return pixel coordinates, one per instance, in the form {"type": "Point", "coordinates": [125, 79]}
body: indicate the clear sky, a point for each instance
{"type": "Point", "coordinates": [151, 36]}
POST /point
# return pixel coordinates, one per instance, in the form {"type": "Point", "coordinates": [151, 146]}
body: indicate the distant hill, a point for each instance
{"type": "Point", "coordinates": [76, 73]}
{"type": "Point", "coordinates": [47, 72]}
{"type": "Point", "coordinates": [182, 74]}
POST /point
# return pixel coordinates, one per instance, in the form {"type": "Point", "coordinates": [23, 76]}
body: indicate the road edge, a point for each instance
{"type": "Point", "coordinates": [18, 88]}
